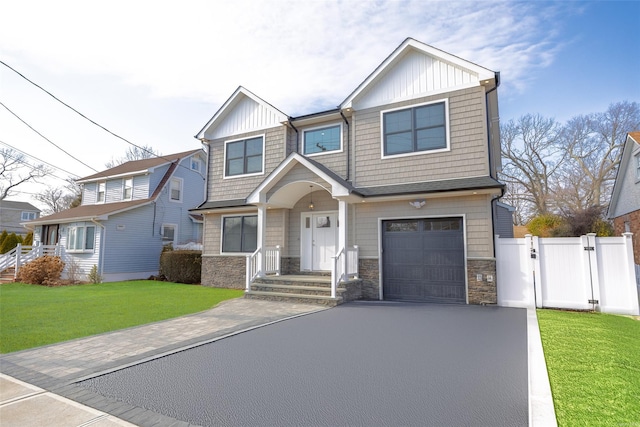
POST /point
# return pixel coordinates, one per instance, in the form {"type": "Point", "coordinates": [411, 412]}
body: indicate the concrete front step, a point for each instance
{"type": "Point", "coordinates": [292, 297]}
{"type": "Point", "coordinates": [300, 289]}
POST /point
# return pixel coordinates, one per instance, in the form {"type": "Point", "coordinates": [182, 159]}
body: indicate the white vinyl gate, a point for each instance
{"type": "Point", "coordinates": [583, 273]}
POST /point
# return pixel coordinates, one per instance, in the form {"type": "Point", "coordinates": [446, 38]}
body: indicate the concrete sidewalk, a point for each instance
{"type": "Point", "coordinates": [37, 386]}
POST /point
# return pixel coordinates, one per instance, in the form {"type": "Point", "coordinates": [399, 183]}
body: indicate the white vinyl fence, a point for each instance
{"type": "Point", "coordinates": [584, 273]}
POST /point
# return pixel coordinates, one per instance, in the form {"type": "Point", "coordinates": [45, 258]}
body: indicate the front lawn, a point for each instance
{"type": "Point", "coordinates": [593, 361]}
{"type": "Point", "coordinates": [32, 316]}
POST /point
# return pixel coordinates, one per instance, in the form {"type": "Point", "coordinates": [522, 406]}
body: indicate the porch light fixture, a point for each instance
{"type": "Point", "coordinates": [311, 206]}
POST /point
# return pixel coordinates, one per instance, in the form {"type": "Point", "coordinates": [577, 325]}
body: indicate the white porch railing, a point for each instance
{"type": "Point", "coordinates": [271, 264]}
{"type": "Point", "coordinates": [344, 268]}
{"type": "Point", "coordinates": [21, 255]}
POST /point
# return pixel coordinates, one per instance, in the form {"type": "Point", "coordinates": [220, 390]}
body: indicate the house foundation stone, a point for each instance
{"type": "Point", "coordinates": [482, 291]}
{"type": "Point", "coordinates": [369, 272]}
{"type": "Point", "coordinates": [224, 271]}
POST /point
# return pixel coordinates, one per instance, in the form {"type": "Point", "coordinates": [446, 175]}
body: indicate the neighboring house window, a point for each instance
{"type": "Point", "coordinates": [81, 238]}
{"type": "Point", "coordinates": [196, 164]}
{"type": "Point", "coordinates": [175, 189]}
{"type": "Point", "coordinates": [239, 233]}
{"type": "Point", "coordinates": [322, 140]}
{"type": "Point", "coordinates": [101, 192]}
{"type": "Point", "coordinates": [637, 166]}
{"type": "Point", "coordinates": [414, 130]}
{"type": "Point", "coordinates": [244, 157]}
{"type": "Point", "coordinates": [127, 190]}
{"type": "Point", "coordinates": [28, 216]}
{"type": "Point", "coordinates": [168, 232]}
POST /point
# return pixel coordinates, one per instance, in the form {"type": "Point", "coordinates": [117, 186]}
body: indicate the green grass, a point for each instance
{"type": "Point", "coordinates": [593, 361]}
{"type": "Point", "coordinates": [31, 316]}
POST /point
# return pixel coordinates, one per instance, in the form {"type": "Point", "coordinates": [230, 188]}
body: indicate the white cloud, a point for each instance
{"type": "Point", "coordinates": [300, 56]}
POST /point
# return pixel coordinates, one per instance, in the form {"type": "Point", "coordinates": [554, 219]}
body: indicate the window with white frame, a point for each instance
{"type": "Point", "coordinates": [127, 189]}
{"type": "Point", "coordinates": [637, 157]}
{"type": "Point", "coordinates": [240, 233]}
{"type": "Point", "coordinates": [168, 232]}
{"type": "Point", "coordinates": [322, 140]}
{"type": "Point", "coordinates": [81, 238]}
{"type": "Point", "coordinates": [244, 157]}
{"type": "Point", "coordinates": [101, 192]}
{"type": "Point", "coordinates": [175, 189]}
{"type": "Point", "coordinates": [28, 216]}
{"type": "Point", "coordinates": [418, 129]}
{"type": "Point", "coordinates": [196, 164]}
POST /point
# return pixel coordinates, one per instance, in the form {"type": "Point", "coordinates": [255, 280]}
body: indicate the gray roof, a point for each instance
{"type": "Point", "coordinates": [23, 206]}
{"type": "Point", "coordinates": [475, 183]}
{"type": "Point", "coordinates": [221, 204]}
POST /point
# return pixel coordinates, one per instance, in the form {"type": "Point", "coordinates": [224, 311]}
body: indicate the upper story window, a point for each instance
{"type": "Point", "coordinates": [417, 129]}
{"type": "Point", "coordinates": [196, 164]}
{"type": "Point", "coordinates": [28, 216]}
{"type": "Point", "coordinates": [175, 189]}
{"type": "Point", "coordinates": [322, 140]}
{"type": "Point", "coordinates": [101, 192]}
{"type": "Point", "coordinates": [637, 158]}
{"type": "Point", "coordinates": [244, 157]}
{"type": "Point", "coordinates": [81, 238]}
{"type": "Point", "coordinates": [127, 190]}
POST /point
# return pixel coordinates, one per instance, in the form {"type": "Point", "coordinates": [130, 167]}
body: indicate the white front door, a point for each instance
{"type": "Point", "coordinates": [318, 239]}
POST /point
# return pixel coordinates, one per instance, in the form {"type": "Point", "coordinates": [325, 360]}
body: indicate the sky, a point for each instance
{"type": "Point", "coordinates": [154, 72]}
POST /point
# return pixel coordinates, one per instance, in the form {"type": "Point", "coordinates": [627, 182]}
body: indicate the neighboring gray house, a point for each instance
{"type": "Point", "coordinates": [396, 187]}
{"type": "Point", "coordinates": [624, 207]}
{"type": "Point", "coordinates": [128, 213]}
{"type": "Point", "coordinates": [13, 214]}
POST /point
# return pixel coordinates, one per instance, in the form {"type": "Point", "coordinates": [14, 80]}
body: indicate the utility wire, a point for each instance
{"type": "Point", "coordinates": [47, 139]}
{"type": "Point", "coordinates": [25, 163]}
{"type": "Point", "coordinates": [35, 158]}
{"type": "Point", "coordinates": [87, 118]}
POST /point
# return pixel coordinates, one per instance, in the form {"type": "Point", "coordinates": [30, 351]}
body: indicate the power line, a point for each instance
{"type": "Point", "coordinates": [87, 118]}
{"type": "Point", "coordinates": [35, 158]}
{"type": "Point", "coordinates": [25, 163]}
{"type": "Point", "coordinates": [47, 139]}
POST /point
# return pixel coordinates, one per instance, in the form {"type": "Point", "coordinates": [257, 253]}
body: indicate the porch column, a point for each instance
{"type": "Point", "coordinates": [342, 221]}
{"type": "Point", "coordinates": [262, 227]}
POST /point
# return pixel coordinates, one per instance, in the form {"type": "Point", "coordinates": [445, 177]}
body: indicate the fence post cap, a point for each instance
{"type": "Point", "coordinates": [627, 234]}
{"type": "Point", "coordinates": [592, 234]}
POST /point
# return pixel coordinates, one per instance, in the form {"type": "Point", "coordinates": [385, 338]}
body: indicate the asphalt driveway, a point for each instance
{"type": "Point", "coordinates": [363, 363]}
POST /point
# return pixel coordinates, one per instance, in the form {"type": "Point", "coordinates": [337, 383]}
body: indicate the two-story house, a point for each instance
{"type": "Point", "coordinates": [128, 213]}
{"type": "Point", "coordinates": [14, 213]}
{"type": "Point", "coordinates": [396, 186]}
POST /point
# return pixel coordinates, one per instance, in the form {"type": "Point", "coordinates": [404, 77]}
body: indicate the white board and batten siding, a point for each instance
{"type": "Point", "coordinates": [561, 273]}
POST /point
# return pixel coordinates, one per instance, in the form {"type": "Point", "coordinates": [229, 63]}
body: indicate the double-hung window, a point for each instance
{"type": "Point", "coordinates": [175, 189]}
{"type": "Point", "coordinates": [168, 232]}
{"type": "Point", "coordinates": [417, 129]}
{"type": "Point", "coordinates": [101, 192]}
{"type": "Point", "coordinates": [323, 140]}
{"type": "Point", "coordinates": [196, 164]}
{"type": "Point", "coordinates": [244, 157]}
{"type": "Point", "coordinates": [127, 190]}
{"type": "Point", "coordinates": [81, 238]}
{"type": "Point", "coordinates": [240, 233]}
{"type": "Point", "coordinates": [637, 159]}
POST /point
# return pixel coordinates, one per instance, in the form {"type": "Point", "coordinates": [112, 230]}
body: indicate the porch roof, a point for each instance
{"type": "Point", "coordinates": [88, 212]}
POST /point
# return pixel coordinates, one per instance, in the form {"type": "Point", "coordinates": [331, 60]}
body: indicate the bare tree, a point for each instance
{"type": "Point", "coordinates": [16, 170]}
{"type": "Point", "coordinates": [133, 153]}
{"type": "Point", "coordinates": [531, 158]}
{"type": "Point", "coordinates": [58, 199]}
{"type": "Point", "coordinates": [594, 144]}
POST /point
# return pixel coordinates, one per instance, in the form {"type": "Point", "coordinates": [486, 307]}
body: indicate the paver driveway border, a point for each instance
{"type": "Point", "coordinates": [541, 411]}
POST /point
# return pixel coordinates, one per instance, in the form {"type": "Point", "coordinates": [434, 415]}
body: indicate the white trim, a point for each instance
{"type": "Point", "coordinates": [124, 187]}
{"type": "Point", "coordinates": [411, 107]}
{"type": "Point", "coordinates": [326, 126]}
{"type": "Point", "coordinates": [104, 199]}
{"type": "Point", "coordinates": [224, 158]}
{"type": "Point", "coordinates": [175, 233]}
{"type": "Point", "coordinates": [399, 218]}
{"type": "Point", "coordinates": [181, 182]}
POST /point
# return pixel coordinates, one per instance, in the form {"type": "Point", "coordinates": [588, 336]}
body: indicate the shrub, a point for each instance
{"type": "Point", "coordinates": [28, 239]}
{"type": "Point", "coordinates": [9, 243]}
{"type": "Point", "coordinates": [181, 266]}
{"type": "Point", "coordinates": [3, 236]}
{"type": "Point", "coordinates": [73, 270]}
{"type": "Point", "coordinates": [543, 225]}
{"type": "Point", "coordinates": [94, 276]}
{"type": "Point", "coordinates": [45, 271]}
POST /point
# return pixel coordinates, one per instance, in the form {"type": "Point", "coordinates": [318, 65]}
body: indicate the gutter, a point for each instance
{"type": "Point", "coordinates": [297, 134]}
{"type": "Point", "coordinates": [348, 145]}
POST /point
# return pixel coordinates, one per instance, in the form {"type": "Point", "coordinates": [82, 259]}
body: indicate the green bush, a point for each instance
{"type": "Point", "coordinates": [28, 239]}
{"type": "Point", "coordinates": [544, 225]}
{"type": "Point", "coordinates": [45, 270]}
{"type": "Point", "coordinates": [9, 243]}
{"type": "Point", "coordinates": [94, 276]}
{"type": "Point", "coordinates": [181, 266]}
{"type": "Point", "coordinates": [3, 236]}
